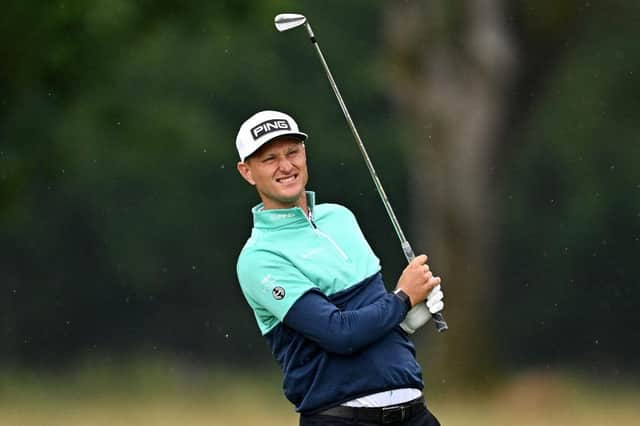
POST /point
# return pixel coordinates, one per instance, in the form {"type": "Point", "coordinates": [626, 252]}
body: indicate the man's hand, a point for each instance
{"type": "Point", "coordinates": [417, 282]}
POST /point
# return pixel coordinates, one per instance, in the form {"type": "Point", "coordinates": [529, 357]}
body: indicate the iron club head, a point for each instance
{"type": "Point", "coordinates": [287, 21]}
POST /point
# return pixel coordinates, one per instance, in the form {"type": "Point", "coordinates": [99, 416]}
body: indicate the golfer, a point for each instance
{"type": "Point", "coordinates": [315, 288]}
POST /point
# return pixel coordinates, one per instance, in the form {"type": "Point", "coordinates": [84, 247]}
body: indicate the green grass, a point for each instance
{"type": "Point", "coordinates": [163, 393]}
{"type": "Point", "coordinates": [545, 398]}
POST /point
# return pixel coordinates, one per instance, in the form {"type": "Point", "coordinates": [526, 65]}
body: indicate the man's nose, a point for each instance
{"type": "Point", "coordinates": [285, 164]}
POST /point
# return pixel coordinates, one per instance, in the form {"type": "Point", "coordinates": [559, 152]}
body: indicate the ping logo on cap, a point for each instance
{"type": "Point", "coordinates": [269, 126]}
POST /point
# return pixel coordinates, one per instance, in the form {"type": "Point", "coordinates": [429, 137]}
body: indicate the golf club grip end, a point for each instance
{"type": "Point", "coordinates": [440, 323]}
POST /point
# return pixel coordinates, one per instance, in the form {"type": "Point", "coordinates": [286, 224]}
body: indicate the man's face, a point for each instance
{"type": "Point", "coordinates": [278, 170]}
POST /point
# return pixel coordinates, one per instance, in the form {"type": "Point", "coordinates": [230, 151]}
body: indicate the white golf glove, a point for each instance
{"type": "Point", "coordinates": [421, 313]}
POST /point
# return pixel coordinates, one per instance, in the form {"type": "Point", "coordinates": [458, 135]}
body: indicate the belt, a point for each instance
{"type": "Point", "coordinates": [379, 415]}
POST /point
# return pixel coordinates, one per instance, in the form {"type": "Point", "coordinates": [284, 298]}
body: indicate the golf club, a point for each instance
{"type": "Point", "coordinates": [288, 21]}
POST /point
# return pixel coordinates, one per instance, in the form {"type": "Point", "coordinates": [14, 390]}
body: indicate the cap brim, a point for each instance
{"type": "Point", "coordinates": [297, 135]}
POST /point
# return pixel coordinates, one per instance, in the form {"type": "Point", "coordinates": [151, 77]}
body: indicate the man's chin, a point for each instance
{"type": "Point", "coordinates": [292, 200]}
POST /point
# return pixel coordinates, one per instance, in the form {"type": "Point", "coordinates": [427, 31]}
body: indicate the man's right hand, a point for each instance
{"type": "Point", "coordinates": [417, 281]}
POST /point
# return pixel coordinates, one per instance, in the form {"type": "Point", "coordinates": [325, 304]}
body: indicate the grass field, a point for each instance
{"type": "Point", "coordinates": [160, 394]}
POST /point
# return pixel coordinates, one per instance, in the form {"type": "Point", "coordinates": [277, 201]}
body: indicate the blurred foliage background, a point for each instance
{"type": "Point", "coordinates": [121, 212]}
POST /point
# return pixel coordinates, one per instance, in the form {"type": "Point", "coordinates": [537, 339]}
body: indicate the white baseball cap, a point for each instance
{"type": "Point", "coordinates": [264, 127]}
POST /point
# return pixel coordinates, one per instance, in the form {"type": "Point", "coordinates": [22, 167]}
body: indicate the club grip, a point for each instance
{"type": "Point", "coordinates": [438, 319]}
{"type": "Point", "coordinates": [439, 322]}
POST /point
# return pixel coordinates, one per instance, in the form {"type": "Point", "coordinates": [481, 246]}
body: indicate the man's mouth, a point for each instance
{"type": "Point", "coordinates": [287, 179]}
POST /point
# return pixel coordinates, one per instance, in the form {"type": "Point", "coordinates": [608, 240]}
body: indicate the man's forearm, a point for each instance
{"type": "Point", "coordinates": [344, 332]}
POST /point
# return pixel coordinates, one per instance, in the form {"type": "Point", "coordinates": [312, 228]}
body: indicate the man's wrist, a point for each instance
{"type": "Point", "coordinates": [403, 296]}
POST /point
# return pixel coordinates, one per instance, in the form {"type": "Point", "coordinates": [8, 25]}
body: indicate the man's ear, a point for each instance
{"type": "Point", "coordinates": [245, 172]}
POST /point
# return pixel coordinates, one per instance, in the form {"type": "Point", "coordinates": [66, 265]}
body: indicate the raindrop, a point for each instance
{"type": "Point", "coordinates": [596, 342]}
{"type": "Point", "coordinates": [612, 167]}
{"type": "Point", "coordinates": [117, 123]}
{"type": "Point", "coordinates": [204, 150]}
{"type": "Point", "coordinates": [226, 336]}
{"type": "Point", "coordinates": [193, 267]}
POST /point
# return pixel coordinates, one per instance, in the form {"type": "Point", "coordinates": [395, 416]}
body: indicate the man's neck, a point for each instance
{"type": "Point", "coordinates": [301, 203]}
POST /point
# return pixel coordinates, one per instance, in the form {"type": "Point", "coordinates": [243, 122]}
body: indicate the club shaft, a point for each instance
{"type": "Point", "coordinates": [387, 205]}
{"type": "Point", "coordinates": [438, 318]}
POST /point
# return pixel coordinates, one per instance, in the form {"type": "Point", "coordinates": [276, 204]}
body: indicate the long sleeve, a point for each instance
{"type": "Point", "coordinates": [344, 332]}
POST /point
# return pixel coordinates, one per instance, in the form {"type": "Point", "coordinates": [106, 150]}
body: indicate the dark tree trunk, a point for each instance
{"type": "Point", "coordinates": [450, 66]}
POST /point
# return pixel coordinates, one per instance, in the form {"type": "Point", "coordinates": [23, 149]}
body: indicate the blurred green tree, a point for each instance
{"type": "Point", "coordinates": [121, 212]}
{"type": "Point", "coordinates": [571, 195]}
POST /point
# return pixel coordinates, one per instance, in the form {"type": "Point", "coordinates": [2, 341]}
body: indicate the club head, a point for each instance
{"type": "Point", "coordinates": [287, 21]}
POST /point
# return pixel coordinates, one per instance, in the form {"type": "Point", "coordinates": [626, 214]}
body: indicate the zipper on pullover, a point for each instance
{"type": "Point", "coordinates": [335, 245]}
{"type": "Point", "coordinates": [327, 237]}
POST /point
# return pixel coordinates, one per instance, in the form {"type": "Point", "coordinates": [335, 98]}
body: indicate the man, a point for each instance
{"type": "Point", "coordinates": [315, 288]}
